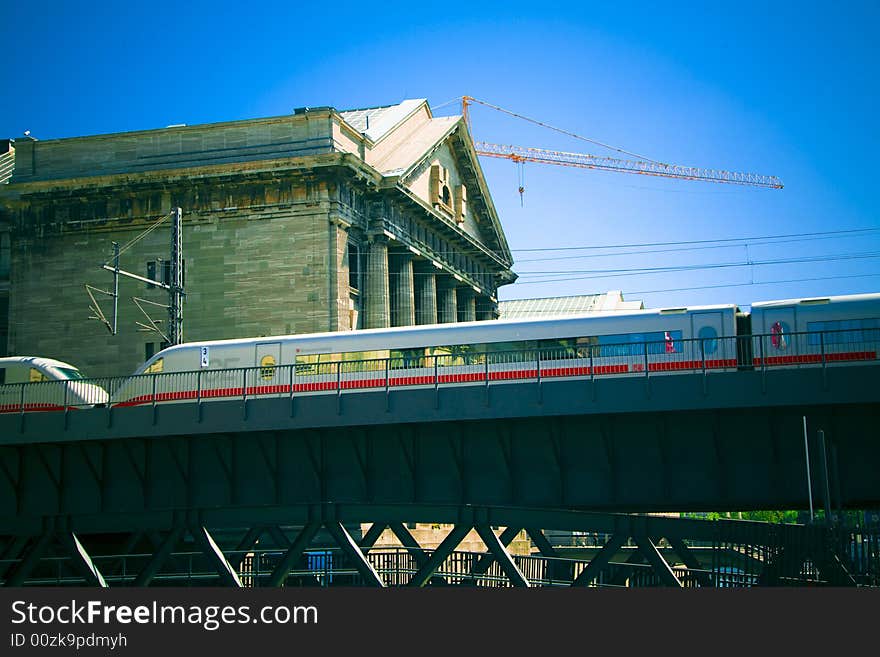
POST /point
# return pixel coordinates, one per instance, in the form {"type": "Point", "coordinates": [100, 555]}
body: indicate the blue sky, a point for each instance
{"type": "Point", "coordinates": [788, 89]}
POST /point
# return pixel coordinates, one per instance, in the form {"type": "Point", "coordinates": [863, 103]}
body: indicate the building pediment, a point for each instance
{"type": "Point", "coordinates": [432, 159]}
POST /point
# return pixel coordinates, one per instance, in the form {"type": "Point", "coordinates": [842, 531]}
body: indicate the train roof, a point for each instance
{"type": "Point", "coordinates": [846, 298]}
{"type": "Point", "coordinates": [36, 360]}
{"type": "Point", "coordinates": [407, 330]}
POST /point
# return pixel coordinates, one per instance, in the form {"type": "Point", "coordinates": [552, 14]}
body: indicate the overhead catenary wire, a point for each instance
{"type": "Point", "coordinates": [137, 239]}
{"type": "Point", "coordinates": [755, 283]}
{"type": "Point", "coordinates": [721, 242]}
{"type": "Point", "coordinates": [756, 242]}
{"type": "Point", "coordinates": [574, 275]}
{"type": "Point", "coordinates": [629, 245]}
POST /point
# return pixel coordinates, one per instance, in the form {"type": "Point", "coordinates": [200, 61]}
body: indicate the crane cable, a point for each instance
{"type": "Point", "coordinates": [560, 130]}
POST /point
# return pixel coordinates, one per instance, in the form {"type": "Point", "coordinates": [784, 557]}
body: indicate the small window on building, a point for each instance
{"type": "Point", "coordinates": [150, 349]}
{"type": "Point", "coordinates": [5, 254]}
{"type": "Point", "coordinates": [354, 269]}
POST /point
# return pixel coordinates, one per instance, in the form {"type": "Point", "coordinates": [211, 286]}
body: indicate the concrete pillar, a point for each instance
{"type": "Point", "coordinates": [378, 305]}
{"type": "Point", "coordinates": [467, 305]}
{"type": "Point", "coordinates": [447, 301]}
{"type": "Point", "coordinates": [403, 313]}
{"type": "Point", "coordinates": [426, 293]}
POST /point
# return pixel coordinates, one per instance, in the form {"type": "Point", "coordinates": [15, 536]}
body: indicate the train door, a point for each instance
{"type": "Point", "coordinates": [267, 358]}
{"type": "Point", "coordinates": [708, 329]}
{"type": "Point", "coordinates": [778, 336]}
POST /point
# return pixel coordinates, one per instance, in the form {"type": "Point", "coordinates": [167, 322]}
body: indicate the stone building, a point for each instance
{"type": "Point", "coordinates": [318, 220]}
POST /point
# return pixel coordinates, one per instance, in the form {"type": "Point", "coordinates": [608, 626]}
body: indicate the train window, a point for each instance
{"type": "Point", "coordinates": [844, 331]}
{"type": "Point", "coordinates": [36, 376]}
{"type": "Point", "coordinates": [158, 366]}
{"type": "Point", "coordinates": [633, 344]}
{"type": "Point", "coordinates": [708, 339]}
{"type": "Point", "coordinates": [779, 335]}
{"type": "Point", "coordinates": [360, 361]}
{"type": "Point", "coordinates": [2, 375]}
{"type": "Point", "coordinates": [267, 367]}
{"type": "Point", "coordinates": [70, 373]}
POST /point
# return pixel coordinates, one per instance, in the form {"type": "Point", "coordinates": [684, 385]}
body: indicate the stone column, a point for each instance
{"type": "Point", "coordinates": [377, 302]}
{"type": "Point", "coordinates": [447, 301]}
{"type": "Point", "coordinates": [487, 309]}
{"type": "Point", "coordinates": [426, 293]}
{"type": "Point", "coordinates": [404, 311]}
{"type": "Point", "coordinates": [467, 305]}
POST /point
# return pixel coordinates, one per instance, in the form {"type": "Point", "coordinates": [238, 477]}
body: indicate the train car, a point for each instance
{"type": "Point", "coordinates": [31, 383]}
{"type": "Point", "coordinates": [611, 343]}
{"type": "Point", "coordinates": [826, 330]}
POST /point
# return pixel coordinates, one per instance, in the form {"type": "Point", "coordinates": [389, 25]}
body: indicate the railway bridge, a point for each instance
{"type": "Point", "coordinates": [297, 487]}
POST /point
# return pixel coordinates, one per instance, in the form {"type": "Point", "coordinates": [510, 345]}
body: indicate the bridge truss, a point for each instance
{"type": "Point", "coordinates": [326, 547]}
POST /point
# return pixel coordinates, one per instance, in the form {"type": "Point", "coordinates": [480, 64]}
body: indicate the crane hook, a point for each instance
{"type": "Point", "coordinates": [522, 187]}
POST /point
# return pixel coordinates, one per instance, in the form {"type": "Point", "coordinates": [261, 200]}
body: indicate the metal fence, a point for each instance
{"type": "Point", "coordinates": [701, 355]}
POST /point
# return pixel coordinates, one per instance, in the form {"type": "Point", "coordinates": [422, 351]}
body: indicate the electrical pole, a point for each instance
{"type": "Point", "coordinates": [115, 285]}
{"type": "Point", "coordinates": [175, 293]}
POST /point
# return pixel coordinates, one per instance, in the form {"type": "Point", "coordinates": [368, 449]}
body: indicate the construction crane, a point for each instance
{"type": "Point", "coordinates": [644, 166]}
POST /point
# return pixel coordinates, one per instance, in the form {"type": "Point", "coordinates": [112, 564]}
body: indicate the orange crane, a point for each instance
{"type": "Point", "coordinates": [644, 166]}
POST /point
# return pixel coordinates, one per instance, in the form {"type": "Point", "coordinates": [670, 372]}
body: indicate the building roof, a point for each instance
{"type": "Point", "coordinates": [574, 305]}
{"type": "Point", "coordinates": [376, 122]}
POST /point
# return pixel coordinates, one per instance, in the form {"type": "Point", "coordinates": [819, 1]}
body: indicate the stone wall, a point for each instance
{"type": "Point", "coordinates": [249, 272]}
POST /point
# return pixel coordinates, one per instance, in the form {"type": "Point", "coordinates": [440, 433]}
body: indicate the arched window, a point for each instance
{"type": "Point", "coordinates": [708, 339]}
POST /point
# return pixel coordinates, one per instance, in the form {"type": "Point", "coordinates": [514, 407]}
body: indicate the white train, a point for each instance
{"type": "Point", "coordinates": [790, 333]}
{"type": "Point", "coordinates": [43, 391]}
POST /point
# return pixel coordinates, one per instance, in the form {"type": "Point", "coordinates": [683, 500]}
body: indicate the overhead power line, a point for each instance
{"type": "Point", "coordinates": [684, 249]}
{"type": "Point", "coordinates": [754, 283]}
{"type": "Point", "coordinates": [574, 275]}
{"type": "Point", "coordinates": [631, 245]}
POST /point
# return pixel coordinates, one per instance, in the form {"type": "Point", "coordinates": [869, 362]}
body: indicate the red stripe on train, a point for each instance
{"type": "Point", "coordinates": [812, 359]}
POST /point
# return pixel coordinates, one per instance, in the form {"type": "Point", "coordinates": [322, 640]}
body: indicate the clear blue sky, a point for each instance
{"type": "Point", "coordinates": [788, 89]}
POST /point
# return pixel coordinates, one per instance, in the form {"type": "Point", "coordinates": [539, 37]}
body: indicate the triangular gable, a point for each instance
{"type": "Point", "coordinates": [422, 154]}
{"type": "Point", "coordinates": [446, 158]}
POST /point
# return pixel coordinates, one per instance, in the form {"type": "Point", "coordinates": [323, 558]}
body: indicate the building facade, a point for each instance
{"type": "Point", "coordinates": [316, 221]}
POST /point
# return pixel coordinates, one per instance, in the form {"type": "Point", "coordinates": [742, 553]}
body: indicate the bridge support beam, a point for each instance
{"type": "Point", "coordinates": [279, 575]}
{"type": "Point", "coordinates": [485, 562]}
{"type": "Point", "coordinates": [600, 561]}
{"type": "Point", "coordinates": [158, 559]}
{"type": "Point", "coordinates": [373, 533]}
{"type": "Point", "coordinates": [502, 555]}
{"type": "Point", "coordinates": [21, 572]}
{"type": "Point", "coordinates": [82, 560]}
{"type": "Point", "coordinates": [440, 555]}
{"type": "Point", "coordinates": [210, 548]}
{"type": "Point", "coordinates": [653, 557]}
{"type": "Point", "coordinates": [350, 547]}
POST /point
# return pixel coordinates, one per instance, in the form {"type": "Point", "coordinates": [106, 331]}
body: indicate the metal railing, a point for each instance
{"type": "Point", "coordinates": [461, 367]}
